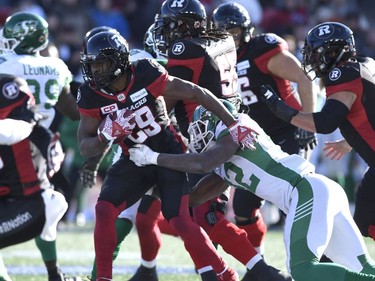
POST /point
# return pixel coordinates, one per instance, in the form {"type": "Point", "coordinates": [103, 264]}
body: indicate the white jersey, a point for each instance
{"type": "Point", "coordinates": [267, 171]}
{"type": "Point", "coordinates": [317, 209]}
{"type": "Point", "coordinates": [46, 77]}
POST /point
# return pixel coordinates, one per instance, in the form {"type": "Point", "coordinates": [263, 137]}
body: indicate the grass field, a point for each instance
{"type": "Point", "coordinates": [76, 251]}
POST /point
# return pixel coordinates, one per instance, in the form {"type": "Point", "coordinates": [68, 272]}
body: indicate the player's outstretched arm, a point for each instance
{"type": "Point", "coordinates": [198, 163]}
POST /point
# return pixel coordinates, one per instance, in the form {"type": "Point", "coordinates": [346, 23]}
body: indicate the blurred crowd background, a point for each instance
{"type": "Point", "coordinates": [69, 20]}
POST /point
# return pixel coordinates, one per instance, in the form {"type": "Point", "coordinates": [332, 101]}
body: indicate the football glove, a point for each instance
{"type": "Point", "coordinates": [277, 106]}
{"type": "Point", "coordinates": [87, 176]}
{"type": "Point", "coordinates": [306, 139]}
{"type": "Point", "coordinates": [142, 155]}
{"type": "Point", "coordinates": [242, 133]}
{"type": "Point", "coordinates": [116, 126]}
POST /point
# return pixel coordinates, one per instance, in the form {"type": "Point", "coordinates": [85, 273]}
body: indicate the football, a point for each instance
{"type": "Point", "coordinates": [117, 127]}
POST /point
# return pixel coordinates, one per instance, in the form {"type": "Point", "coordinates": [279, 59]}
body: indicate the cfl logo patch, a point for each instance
{"type": "Point", "coordinates": [335, 74]}
{"type": "Point", "coordinates": [178, 48]}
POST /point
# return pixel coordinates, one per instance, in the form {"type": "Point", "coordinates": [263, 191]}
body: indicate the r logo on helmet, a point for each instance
{"type": "Point", "coordinates": [177, 3]}
{"type": "Point", "coordinates": [324, 31]}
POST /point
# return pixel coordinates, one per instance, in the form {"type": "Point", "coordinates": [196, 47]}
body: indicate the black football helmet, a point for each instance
{"type": "Point", "coordinates": [231, 14]}
{"type": "Point", "coordinates": [325, 46]}
{"type": "Point", "coordinates": [107, 58]}
{"type": "Point", "coordinates": [94, 31]}
{"type": "Point", "coordinates": [179, 19]}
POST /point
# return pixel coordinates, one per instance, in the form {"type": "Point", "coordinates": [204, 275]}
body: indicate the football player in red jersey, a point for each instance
{"type": "Point", "coordinates": [18, 178]}
{"type": "Point", "coordinates": [207, 58]}
{"type": "Point", "coordinates": [27, 151]}
{"type": "Point", "coordinates": [329, 53]}
{"type": "Point", "coordinates": [140, 87]}
{"type": "Point", "coordinates": [49, 79]}
{"type": "Point", "coordinates": [264, 59]}
{"type": "Point", "coordinates": [88, 171]}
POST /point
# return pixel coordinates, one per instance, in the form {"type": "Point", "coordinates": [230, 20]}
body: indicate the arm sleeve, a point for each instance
{"type": "Point", "coordinates": [13, 131]}
{"type": "Point", "coordinates": [330, 117]}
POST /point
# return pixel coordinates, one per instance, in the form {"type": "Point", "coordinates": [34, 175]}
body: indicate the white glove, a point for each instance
{"type": "Point", "coordinates": [242, 133]}
{"type": "Point", "coordinates": [142, 155]}
{"type": "Point", "coordinates": [116, 126]}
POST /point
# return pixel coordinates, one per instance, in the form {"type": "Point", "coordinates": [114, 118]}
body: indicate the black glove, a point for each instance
{"type": "Point", "coordinates": [87, 176]}
{"type": "Point", "coordinates": [244, 109]}
{"type": "Point", "coordinates": [50, 146]}
{"type": "Point", "coordinates": [277, 106]}
{"type": "Point", "coordinates": [306, 139]}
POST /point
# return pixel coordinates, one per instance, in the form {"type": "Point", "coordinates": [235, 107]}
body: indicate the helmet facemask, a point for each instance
{"type": "Point", "coordinates": [7, 45]}
{"type": "Point", "coordinates": [106, 59]}
{"type": "Point", "coordinates": [150, 46]}
{"type": "Point", "coordinates": [325, 46]}
{"type": "Point", "coordinates": [319, 61]}
{"type": "Point", "coordinates": [169, 29]}
{"type": "Point", "coordinates": [179, 19]}
{"type": "Point", "coordinates": [102, 70]}
{"type": "Point", "coordinates": [160, 40]}
{"type": "Point", "coordinates": [201, 137]}
{"type": "Point", "coordinates": [202, 129]}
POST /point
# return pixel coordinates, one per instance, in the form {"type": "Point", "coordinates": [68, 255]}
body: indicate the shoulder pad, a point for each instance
{"type": "Point", "coordinates": [344, 73]}
{"type": "Point", "coordinates": [191, 48]}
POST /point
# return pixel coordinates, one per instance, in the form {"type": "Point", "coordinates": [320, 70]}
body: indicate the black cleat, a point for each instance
{"type": "Point", "coordinates": [145, 274]}
{"type": "Point", "coordinates": [264, 272]}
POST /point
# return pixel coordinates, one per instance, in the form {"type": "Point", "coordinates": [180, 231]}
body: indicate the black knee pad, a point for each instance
{"type": "Point", "coordinates": [146, 203]}
{"type": "Point", "coordinates": [244, 202]}
{"type": "Point", "coordinates": [215, 206]}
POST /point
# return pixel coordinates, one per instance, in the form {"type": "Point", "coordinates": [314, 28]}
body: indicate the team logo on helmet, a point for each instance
{"type": "Point", "coordinates": [335, 74]}
{"type": "Point", "coordinates": [178, 4]}
{"type": "Point", "coordinates": [324, 31]}
{"type": "Point", "coordinates": [270, 39]}
{"type": "Point", "coordinates": [24, 28]}
{"type": "Point", "coordinates": [178, 48]}
{"type": "Point", "coordinates": [11, 90]}
{"type": "Point", "coordinates": [118, 40]}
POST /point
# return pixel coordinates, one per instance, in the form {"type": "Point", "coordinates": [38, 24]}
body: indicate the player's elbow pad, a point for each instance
{"type": "Point", "coordinates": [330, 117]}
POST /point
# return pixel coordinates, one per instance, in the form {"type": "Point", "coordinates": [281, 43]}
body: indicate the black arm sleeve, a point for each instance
{"type": "Point", "coordinates": [330, 117]}
{"type": "Point", "coordinates": [74, 86]}
{"type": "Point", "coordinates": [181, 72]}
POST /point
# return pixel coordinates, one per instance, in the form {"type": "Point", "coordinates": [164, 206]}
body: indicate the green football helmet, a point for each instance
{"type": "Point", "coordinates": [24, 33]}
{"type": "Point", "coordinates": [202, 128]}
